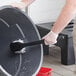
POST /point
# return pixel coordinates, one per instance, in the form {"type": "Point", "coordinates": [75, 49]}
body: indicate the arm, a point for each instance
{"type": "Point", "coordinates": [66, 15]}
{"type": "Point", "coordinates": [22, 3]}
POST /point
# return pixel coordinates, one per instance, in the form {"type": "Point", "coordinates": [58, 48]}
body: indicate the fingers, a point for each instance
{"type": "Point", "coordinates": [50, 41]}
{"type": "Point", "coordinates": [50, 38]}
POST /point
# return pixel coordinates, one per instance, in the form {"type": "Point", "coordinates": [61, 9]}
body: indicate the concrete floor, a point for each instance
{"type": "Point", "coordinates": [53, 60]}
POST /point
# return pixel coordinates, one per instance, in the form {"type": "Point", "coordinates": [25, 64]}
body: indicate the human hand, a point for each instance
{"type": "Point", "coordinates": [18, 4]}
{"type": "Point", "coordinates": [21, 4]}
{"type": "Point", "coordinates": [28, 1]}
{"type": "Point", "coordinates": [50, 38]}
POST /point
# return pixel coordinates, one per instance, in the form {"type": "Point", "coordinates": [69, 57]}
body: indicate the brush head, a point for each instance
{"type": "Point", "coordinates": [17, 46]}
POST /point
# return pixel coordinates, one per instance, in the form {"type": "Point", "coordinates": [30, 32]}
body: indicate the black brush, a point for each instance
{"type": "Point", "coordinates": [17, 46]}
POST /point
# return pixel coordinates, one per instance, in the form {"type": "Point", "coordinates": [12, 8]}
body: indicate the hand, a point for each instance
{"type": "Point", "coordinates": [50, 38]}
{"type": "Point", "coordinates": [28, 1]}
{"type": "Point", "coordinates": [18, 4]}
{"type": "Point", "coordinates": [21, 4]}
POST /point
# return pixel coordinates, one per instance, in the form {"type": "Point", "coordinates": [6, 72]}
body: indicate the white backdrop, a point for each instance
{"type": "Point", "coordinates": [7, 2]}
{"type": "Point", "coordinates": [43, 11]}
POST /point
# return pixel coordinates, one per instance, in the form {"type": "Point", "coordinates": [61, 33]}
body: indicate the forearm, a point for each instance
{"type": "Point", "coordinates": [67, 14]}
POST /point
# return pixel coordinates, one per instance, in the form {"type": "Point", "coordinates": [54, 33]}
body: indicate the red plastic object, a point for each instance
{"type": "Point", "coordinates": [45, 72]}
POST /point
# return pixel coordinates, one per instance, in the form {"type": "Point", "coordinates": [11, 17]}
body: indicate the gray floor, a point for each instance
{"type": "Point", "coordinates": [58, 68]}
{"type": "Point", "coordinates": [53, 60]}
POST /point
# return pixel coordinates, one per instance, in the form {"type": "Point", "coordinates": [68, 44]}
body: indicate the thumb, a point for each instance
{"type": "Point", "coordinates": [43, 37]}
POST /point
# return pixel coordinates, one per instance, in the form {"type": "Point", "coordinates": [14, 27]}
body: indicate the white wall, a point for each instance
{"type": "Point", "coordinates": [42, 11]}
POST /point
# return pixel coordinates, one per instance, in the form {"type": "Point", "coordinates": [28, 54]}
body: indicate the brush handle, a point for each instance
{"type": "Point", "coordinates": [33, 43]}
{"type": "Point", "coordinates": [17, 46]}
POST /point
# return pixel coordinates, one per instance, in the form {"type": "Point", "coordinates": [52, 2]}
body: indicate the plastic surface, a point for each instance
{"type": "Point", "coordinates": [45, 72]}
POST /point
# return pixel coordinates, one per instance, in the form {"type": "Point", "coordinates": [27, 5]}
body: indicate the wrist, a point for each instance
{"type": "Point", "coordinates": [54, 34]}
